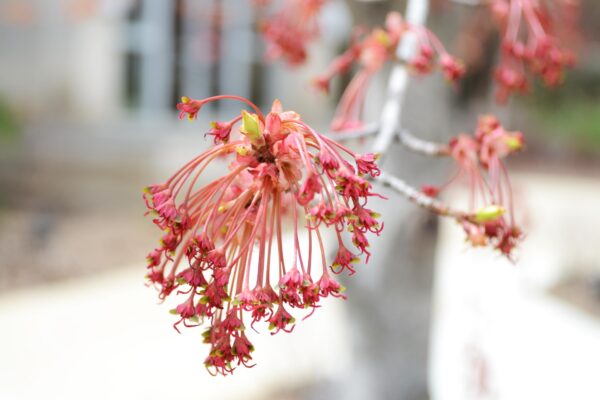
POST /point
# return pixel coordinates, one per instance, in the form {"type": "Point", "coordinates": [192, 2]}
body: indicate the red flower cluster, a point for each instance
{"type": "Point", "coordinates": [289, 31]}
{"type": "Point", "coordinates": [432, 53]}
{"type": "Point", "coordinates": [534, 39]}
{"type": "Point", "coordinates": [222, 248]}
{"type": "Point", "coordinates": [371, 52]}
{"type": "Point", "coordinates": [479, 158]}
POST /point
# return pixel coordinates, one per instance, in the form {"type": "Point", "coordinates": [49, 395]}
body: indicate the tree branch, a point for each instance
{"type": "Point", "coordinates": [420, 199]}
{"type": "Point", "coordinates": [407, 139]}
{"type": "Point", "coordinates": [416, 14]}
{"type": "Point", "coordinates": [472, 3]}
{"type": "Point", "coordinates": [421, 146]}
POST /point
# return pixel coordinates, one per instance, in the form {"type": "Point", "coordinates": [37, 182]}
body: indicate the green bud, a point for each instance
{"type": "Point", "coordinates": [251, 128]}
{"type": "Point", "coordinates": [489, 213]}
{"type": "Point", "coordinates": [514, 143]}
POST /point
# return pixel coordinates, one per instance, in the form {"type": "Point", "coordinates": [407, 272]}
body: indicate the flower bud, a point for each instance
{"type": "Point", "coordinates": [251, 129]}
{"type": "Point", "coordinates": [489, 213]}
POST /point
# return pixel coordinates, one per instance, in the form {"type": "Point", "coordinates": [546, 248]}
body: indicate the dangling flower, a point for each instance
{"type": "Point", "coordinates": [344, 260]}
{"type": "Point", "coordinates": [289, 31]}
{"type": "Point", "coordinates": [367, 166]}
{"type": "Point", "coordinates": [328, 286]}
{"type": "Point", "coordinates": [536, 41]}
{"type": "Point", "coordinates": [490, 220]}
{"type": "Point", "coordinates": [452, 68]}
{"type": "Point", "coordinates": [221, 130]}
{"type": "Point", "coordinates": [242, 349]}
{"type": "Point", "coordinates": [222, 245]}
{"type": "Point", "coordinates": [189, 108]}
{"type": "Point", "coordinates": [280, 320]}
{"type": "Point", "coordinates": [371, 52]}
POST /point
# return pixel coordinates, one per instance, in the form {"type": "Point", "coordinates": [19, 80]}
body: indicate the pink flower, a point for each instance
{"type": "Point", "coordinates": [359, 239]}
{"type": "Point", "coordinates": [221, 131]}
{"type": "Point", "coordinates": [223, 237]}
{"type": "Point", "coordinates": [310, 187]}
{"type": "Point", "coordinates": [430, 190]}
{"type": "Point", "coordinates": [156, 195]}
{"type": "Point", "coordinates": [242, 349]}
{"type": "Point", "coordinates": [280, 320]}
{"type": "Point", "coordinates": [310, 293]}
{"type": "Point", "coordinates": [189, 107]}
{"type": "Point", "coordinates": [371, 52]}
{"type": "Point", "coordinates": [154, 258]}
{"type": "Point", "coordinates": [366, 164]}
{"type": "Point", "coordinates": [509, 238]}
{"type": "Point", "coordinates": [167, 209]}
{"type": "Point", "coordinates": [284, 41]}
{"type": "Point", "coordinates": [423, 63]}
{"type": "Point", "coordinates": [328, 161]}
{"type": "Point", "coordinates": [155, 276]}
{"type": "Point", "coordinates": [499, 233]}
{"type": "Point", "coordinates": [453, 69]}
{"type": "Point", "coordinates": [510, 81]}
{"type": "Point", "coordinates": [216, 258]}
{"type": "Point", "coordinates": [536, 41]}
{"type": "Point", "coordinates": [232, 323]}
{"type": "Point", "coordinates": [344, 260]}
{"type": "Point", "coordinates": [246, 300]}
{"type": "Point", "coordinates": [221, 355]}
{"type": "Point", "coordinates": [192, 277]}
{"type": "Point", "coordinates": [290, 284]}
{"type": "Point", "coordinates": [289, 31]}
{"type": "Point", "coordinates": [366, 220]}
{"type": "Point", "coordinates": [476, 234]}
{"type": "Point", "coordinates": [480, 161]}
{"type": "Point", "coordinates": [214, 295]}
{"type": "Point", "coordinates": [187, 310]}
{"type": "Point", "coordinates": [170, 242]}
{"type": "Point", "coordinates": [328, 286]}
{"type": "Point", "coordinates": [291, 280]}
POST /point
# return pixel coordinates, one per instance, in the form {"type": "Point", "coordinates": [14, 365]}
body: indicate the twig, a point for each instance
{"type": "Point", "coordinates": [390, 127]}
{"type": "Point", "coordinates": [421, 146]}
{"type": "Point", "coordinates": [420, 199]}
{"type": "Point", "coordinates": [407, 139]}
{"type": "Point", "coordinates": [472, 3]}
{"type": "Point", "coordinates": [416, 14]}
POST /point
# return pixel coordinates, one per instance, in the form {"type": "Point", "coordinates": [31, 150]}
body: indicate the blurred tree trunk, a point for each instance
{"type": "Point", "coordinates": [390, 299]}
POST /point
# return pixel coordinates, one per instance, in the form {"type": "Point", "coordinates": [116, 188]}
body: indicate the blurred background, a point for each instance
{"type": "Point", "coordinates": [87, 118]}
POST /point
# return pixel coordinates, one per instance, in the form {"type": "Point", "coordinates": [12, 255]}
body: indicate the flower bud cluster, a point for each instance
{"type": "Point", "coordinates": [222, 250]}
{"type": "Point", "coordinates": [371, 52]}
{"type": "Point", "coordinates": [479, 158]}
{"type": "Point", "coordinates": [535, 36]}
{"type": "Point", "coordinates": [289, 31]}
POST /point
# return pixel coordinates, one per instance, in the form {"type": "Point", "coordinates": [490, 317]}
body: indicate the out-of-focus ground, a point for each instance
{"type": "Point", "coordinates": [501, 330]}
{"type": "Point", "coordinates": [64, 182]}
{"type": "Point", "coordinates": [529, 329]}
{"type": "Point", "coordinates": [105, 337]}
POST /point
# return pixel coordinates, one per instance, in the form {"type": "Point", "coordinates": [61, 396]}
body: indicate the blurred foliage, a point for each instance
{"type": "Point", "coordinates": [571, 111]}
{"type": "Point", "coordinates": [10, 128]}
{"type": "Point", "coordinates": [9, 122]}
